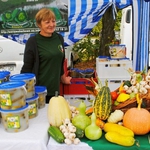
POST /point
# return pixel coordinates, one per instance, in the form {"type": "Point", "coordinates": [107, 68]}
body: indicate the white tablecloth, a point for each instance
{"type": "Point", "coordinates": [35, 137]}
{"type": "Point", "coordinates": [53, 145]}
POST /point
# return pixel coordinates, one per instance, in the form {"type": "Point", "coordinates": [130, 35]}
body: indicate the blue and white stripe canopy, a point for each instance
{"type": "Point", "coordinates": [85, 14]}
{"type": "Point", "coordinates": [141, 33]}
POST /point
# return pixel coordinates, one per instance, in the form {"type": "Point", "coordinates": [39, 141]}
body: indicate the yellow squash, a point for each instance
{"type": "Point", "coordinates": [58, 111]}
{"type": "Point", "coordinates": [123, 97]}
{"type": "Point", "coordinates": [119, 139]}
{"type": "Point", "coordinates": [113, 127]}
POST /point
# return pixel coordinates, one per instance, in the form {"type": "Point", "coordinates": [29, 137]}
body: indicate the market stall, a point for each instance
{"type": "Point", "coordinates": [36, 135]}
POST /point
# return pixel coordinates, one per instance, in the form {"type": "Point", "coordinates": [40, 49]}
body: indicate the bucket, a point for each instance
{"type": "Point", "coordinates": [15, 120]}
{"type": "Point", "coordinates": [117, 51]}
{"type": "Point", "coordinates": [12, 95]}
{"type": "Point", "coordinates": [74, 73]}
{"type": "Point", "coordinates": [33, 106]}
{"type": "Point", "coordinates": [42, 92]}
{"type": "Point", "coordinates": [29, 78]}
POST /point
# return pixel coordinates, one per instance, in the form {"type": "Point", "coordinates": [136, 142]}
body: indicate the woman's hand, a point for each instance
{"type": "Point", "coordinates": [66, 80]}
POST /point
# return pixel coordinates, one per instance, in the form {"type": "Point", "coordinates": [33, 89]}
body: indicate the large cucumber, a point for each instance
{"type": "Point", "coordinates": [56, 134]}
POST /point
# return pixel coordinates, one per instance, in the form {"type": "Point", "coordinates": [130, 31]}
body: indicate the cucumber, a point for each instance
{"type": "Point", "coordinates": [56, 134]}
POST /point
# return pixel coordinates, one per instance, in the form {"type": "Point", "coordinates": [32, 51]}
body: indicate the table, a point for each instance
{"type": "Point", "coordinates": [53, 145]}
{"type": "Point", "coordinates": [101, 144]}
{"type": "Point", "coordinates": [35, 137]}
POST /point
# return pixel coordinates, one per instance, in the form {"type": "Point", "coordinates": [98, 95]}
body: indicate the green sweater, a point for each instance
{"type": "Point", "coordinates": [44, 56]}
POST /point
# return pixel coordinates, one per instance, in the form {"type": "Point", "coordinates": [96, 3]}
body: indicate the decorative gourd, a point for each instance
{"type": "Point", "coordinates": [137, 119]}
{"type": "Point", "coordinates": [116, 116]}
{"type": "Point", "coordinates": [58, 111]}
{"type": "Point", "coordinates": [81, 120]}
{"type": "Point", "coordinates": [93, 132]}
{"type": "Point", "coordinates": [103, 103]}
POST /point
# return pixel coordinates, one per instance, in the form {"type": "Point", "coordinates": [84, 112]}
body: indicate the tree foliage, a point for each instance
{"type": "Point", "coordinates": [98, 28]}
{"type": "Point", "coordinates": [104, 31]}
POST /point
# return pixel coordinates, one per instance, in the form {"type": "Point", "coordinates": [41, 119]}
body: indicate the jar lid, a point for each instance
{"type": "Point", "coordinates": [40, 89]}
{"type": "Point", "coordinates": [11, 84]}
{"type": "Point", "coordinates": [22, 76]}
{"type": "Point", "coordinates": [5, 72]}
{"type": "Point", "coordinates": [103, 57]}
{"type": "Point", "coordinates": [2, 75]}
{"type": "Point", "coordinates": [14, 110]}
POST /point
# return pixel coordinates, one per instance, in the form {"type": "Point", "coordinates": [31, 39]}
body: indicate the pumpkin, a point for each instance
{"type": "Point", "coordinates": [103, 103]}
{"type": "Point", "coordinates": [58, 111]}
{"type": "Point", "coordinates": [137, 119]}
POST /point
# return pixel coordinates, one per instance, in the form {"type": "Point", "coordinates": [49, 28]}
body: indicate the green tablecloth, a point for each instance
{"type": "Point", "coordinates": [103, 144]}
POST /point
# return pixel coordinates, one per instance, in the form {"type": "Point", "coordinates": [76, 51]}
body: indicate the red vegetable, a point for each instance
{"type": "Point", "coordinates": [114, 95]}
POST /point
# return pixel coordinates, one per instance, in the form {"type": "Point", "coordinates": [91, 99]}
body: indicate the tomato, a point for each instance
{"type": "Point", "coordinates": [114, 95]}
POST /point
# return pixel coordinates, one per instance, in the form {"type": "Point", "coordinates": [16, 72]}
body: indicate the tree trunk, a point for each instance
{"type": "Point", "coordinates": [108, 33]}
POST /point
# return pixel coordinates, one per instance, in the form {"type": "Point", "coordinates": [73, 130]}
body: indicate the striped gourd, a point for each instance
{"type": "Point", "coordinates": [103, 103]}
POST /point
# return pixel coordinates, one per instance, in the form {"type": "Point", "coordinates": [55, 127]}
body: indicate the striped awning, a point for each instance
{"type": "Point", "coordinates": [85, 14]}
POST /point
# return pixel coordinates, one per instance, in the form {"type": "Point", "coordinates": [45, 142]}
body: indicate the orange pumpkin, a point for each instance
{"type": "Point", "coordinates": [137, 120]}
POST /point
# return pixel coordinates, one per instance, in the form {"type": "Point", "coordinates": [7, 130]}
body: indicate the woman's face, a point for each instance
{"type": "Point", "coordinates": [47, 27]}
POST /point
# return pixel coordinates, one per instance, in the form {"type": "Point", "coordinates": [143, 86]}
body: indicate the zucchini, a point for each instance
{"type": "Point", "coordinates": [56, 134]}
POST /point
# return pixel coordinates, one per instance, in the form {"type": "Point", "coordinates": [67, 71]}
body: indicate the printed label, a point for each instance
{"type": "Point", "coordinates": [13, 122]}
{"type": "Point", "coordinates": [32, 109]}
{"type": "Point", "coordinates": [5, 100]}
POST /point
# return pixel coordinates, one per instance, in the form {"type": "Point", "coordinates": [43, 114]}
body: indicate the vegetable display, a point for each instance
{"type": "Point", "coordinates": [118, 126]}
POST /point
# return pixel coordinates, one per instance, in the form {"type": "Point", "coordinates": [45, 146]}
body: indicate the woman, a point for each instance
{"type": "Point", "coordinates": [44, 54]}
